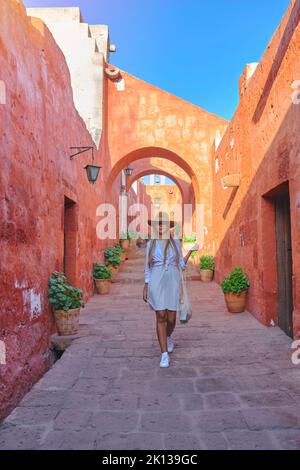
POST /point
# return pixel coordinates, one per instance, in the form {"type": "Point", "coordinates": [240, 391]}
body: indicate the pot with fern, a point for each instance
{"type": "Point", "coordinates": [207, 267]}
{"type": "Point", "coordinates": [102, 276]}
{"type": "Point", "coordinates": [120, 251]}
{"type": "Point", "coordinates": [235, 288]}
{"type": "Point", "coordinates": [112, 260]}
{"type": "Point", "coordinates": [125, 240]}
{"type": "Point", "coordinates": [66, 301]}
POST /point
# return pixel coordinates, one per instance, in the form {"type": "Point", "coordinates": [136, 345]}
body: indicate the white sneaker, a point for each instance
{"type": "Point", "coordinates": [165, 360]}
{"type": "Point", "coordinates": [170, 344]}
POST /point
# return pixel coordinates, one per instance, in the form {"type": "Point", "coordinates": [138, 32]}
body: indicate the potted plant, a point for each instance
{"type": "Point", "coordinates": [132, 236]}
{"type": "Point", "coordinates": [121, 251]}
{"type": "Point", "coordinates": [207, 267]}
{"type": "Point", "coordinates": [102, 276]}
{"type": "Point", "coordinates": [189, 241]}
{"type": "Point", "coordinates": [124, 240]}
{"type": "Point", "coordinates": [66, 302]}
{"type": "Point", "coordinates": [112, 260]}
{"type": "Point", "coordinates": [235, 288]}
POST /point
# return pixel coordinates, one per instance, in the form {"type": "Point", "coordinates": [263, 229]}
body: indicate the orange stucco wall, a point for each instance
{"type": "Point", "coordinates": [262, 143]}
{"type": "Point", "coordinates": [169, 195]}
{"type": "Point", "coordinates": [148, 122]}
{"type": "Point", "coordinates": [38, 124]}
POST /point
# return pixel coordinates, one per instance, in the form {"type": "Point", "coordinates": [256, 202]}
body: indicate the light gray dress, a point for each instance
{"type": "Point", "coordinates": [163, 279]}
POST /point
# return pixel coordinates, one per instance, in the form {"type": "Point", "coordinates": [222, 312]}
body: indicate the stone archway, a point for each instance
{"type": "Point", "coordinates": [190, 191]}
{"type": "Point", "coordinates": [150, 152]}
{"type": "Point", "coordinates": [184, 185]}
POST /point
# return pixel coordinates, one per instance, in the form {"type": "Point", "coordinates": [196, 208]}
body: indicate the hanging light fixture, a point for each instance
{"type": "Point", "coordinates": [128, 171]}
{"type": "Point", "coordinates": [92, 171]}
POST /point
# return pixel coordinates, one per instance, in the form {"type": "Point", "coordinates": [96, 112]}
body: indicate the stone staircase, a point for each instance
{"type": "Point", "coordinates": [132, 270]}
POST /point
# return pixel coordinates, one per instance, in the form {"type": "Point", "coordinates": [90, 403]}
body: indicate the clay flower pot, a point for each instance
{"type": "Point", "coordinates": [236, 303]}
{"type": "Point", "coordinates": [206, 275]}
{"type": "Point", "coordinates": [114, 270]}
{"type": "Point", "coordinates": [67, 322]}
{"type": "Point", "coordinates": [102, 286]}
{"type": "Point", "coordinates": [123, 256]}
{"type": "Point", "coordinates": [124, 244]}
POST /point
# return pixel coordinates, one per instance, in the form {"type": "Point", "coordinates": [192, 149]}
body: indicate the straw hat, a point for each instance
{"type": "Point", "coordinates": [161, 218]}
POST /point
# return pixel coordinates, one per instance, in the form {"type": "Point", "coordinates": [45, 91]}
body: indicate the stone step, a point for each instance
{"type": "Point", "coordinates": [125, 277]}
{"type": "Point", "coordinates": [134, 263]}
{"type": "Point", "coordinates": [131, 270]}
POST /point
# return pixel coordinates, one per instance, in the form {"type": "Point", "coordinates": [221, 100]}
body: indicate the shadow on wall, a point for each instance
{"type": "Point", "coordinates": [250, 240]}
{"type": "Point", "coordinates": [283, 47]}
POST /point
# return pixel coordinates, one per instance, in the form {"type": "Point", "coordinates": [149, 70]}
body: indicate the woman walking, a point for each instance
{"type": "Point", "coordinates": [164, 259]}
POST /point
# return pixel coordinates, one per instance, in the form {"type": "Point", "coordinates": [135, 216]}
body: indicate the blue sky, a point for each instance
{"type": "Point", "coordinates": [195, 49]}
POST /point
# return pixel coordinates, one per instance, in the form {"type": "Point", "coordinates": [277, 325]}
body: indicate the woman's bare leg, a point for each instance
{"type": "Point", "coordinates": [161, 328]}
{"type": "Point", "coordinates": [171, 322]}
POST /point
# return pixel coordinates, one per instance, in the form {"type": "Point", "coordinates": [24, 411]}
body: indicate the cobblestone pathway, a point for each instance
{"type": "Point", "coordinates": [231, 384]}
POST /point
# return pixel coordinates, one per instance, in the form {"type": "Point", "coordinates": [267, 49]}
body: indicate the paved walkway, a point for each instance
{"type": "Point", "coordinates": [231, 384]}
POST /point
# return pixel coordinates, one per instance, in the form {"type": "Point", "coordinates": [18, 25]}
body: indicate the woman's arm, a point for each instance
{"type": "Point", "coordinates": [183, 260]}
{"type": "Point", "coordinates": [187, 256]}
{"type": "Point", "coordinates": [147, 270]}
{"type": "Point", "coordinates": [147, 273]}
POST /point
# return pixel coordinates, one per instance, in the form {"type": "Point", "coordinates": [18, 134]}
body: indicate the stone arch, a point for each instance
{"type": "Point", "coordinates": [183, 189]}
{"type": "Point", "coordinates": [150, 152]}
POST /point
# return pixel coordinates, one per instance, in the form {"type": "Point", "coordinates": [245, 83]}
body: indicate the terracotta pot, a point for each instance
{"type": "Point", "coordinates": [67, 322]}
{"type": "Point", "coordinates": [236, 303]}
{"type": "Point", "coordinates": [206, 275]}
{"type": "Point", "coordinates": [102, 286]}
{"type": "Point", "coordinates": [114, 270]}
{"type": "Point", "coordinates": [123, 256]}
{"type": "Point", "coordinates": [124, 244]}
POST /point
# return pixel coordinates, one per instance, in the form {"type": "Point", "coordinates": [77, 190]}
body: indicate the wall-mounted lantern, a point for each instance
{"type": "Point", "coordinates": [128, 171]}
{"type": "Point", "coordinates": [92, 171]}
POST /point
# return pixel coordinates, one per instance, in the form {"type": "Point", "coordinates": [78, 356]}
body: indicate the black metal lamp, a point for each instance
{"type": "Point", "coordinates": [128, 171]}
{"type": "Point", "coordinates": [92, 171]}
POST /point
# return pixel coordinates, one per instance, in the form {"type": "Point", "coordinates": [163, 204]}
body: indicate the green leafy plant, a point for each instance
{"type": "Point", "coordinates": [62, 295]}
{"type": "Point", "coordinates": [124, 236]}
{"type": "Point", "coordinates": [101, 271]}
{"type": "Point", "coordinates": [117, 248]}
{"type": "Point", "coordinates": [236, 282]}
{"type": "Point", "coordinates": [207, 262]}
{"type": "Point", "coordinates": [112, 257]}
{"type": "Point", "coordinates": [191, 239]}
{"type": "Point", "coordinates": [132, 235]}
{"type": "Point", "coordinates": [129, 235]}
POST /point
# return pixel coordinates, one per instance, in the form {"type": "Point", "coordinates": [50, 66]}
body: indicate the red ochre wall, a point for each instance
{"type": "Point", "coordinates": [262, 143]}
{"type": "Point", "coordinates": [38, 124]}
{"type": "Point", "coordinates": [149, 122]}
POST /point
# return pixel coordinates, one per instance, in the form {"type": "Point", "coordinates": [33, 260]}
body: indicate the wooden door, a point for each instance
{"type": "Point", "coordinates": [284, 263]}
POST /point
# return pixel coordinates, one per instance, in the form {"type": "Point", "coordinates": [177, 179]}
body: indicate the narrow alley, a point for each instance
{"type": "Point", "coordinates": [231, 383]}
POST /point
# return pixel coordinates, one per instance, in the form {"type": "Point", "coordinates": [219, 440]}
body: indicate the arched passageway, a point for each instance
{"type": "Point", "coordinates": [150, 152]}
